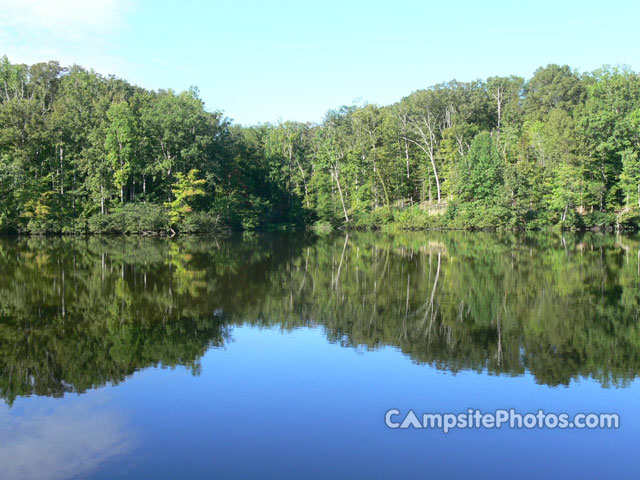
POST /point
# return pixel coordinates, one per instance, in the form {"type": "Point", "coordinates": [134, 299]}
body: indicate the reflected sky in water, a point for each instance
{"type": "Point", "coordinates": [275, 404]}
{"type": "Point", "coordinates": [44, 438]}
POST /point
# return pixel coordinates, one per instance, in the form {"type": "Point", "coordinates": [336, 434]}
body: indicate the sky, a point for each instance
{"type": "Point", "coordinates": [265, 61]}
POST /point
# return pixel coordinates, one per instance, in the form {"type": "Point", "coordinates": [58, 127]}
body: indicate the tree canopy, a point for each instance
{"type": "Point", "coordinates": [81, 152]}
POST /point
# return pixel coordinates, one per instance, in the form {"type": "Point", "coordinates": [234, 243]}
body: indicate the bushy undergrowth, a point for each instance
{"type": "Point", "coordinates": [132, 218]}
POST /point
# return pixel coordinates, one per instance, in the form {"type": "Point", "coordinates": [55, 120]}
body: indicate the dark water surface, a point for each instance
{"type": "Point", "coordinates": [278, 356]}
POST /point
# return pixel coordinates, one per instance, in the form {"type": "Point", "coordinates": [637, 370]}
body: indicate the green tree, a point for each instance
{"type": "Point", "coordinates": [185, 190]}
{"type": "Point", "coordinates": [120, 144]}
{"type": "Point", "coordinates": [481, 171]}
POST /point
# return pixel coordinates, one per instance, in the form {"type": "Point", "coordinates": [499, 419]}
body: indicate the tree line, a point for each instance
{"type": "Point", "coordinates": [81, 152]}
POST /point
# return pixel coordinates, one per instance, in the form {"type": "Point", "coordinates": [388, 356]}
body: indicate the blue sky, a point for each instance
{"type": "Point", "coordinates": [263, 61]}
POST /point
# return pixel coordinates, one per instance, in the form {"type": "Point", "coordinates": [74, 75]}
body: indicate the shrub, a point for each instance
{"type": "Point", "coordinates": [200, 222]}
{"type": "Point", "coordinates": [374, 219]}
{"type": "Point", "coordinates": [132, 218]}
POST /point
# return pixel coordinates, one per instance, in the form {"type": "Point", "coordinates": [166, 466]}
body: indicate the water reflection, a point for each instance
{"type": "Point", "coordinates": [78, 313]}
{"type": "Point", "coordinates": [64, 441]}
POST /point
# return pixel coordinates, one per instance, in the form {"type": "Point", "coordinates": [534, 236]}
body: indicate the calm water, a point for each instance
{"type": "Point", "coordinates": [277, 356]}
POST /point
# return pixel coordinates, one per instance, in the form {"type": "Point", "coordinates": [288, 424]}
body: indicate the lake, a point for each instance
{"type": "Point", "coordinates": [279, 356]}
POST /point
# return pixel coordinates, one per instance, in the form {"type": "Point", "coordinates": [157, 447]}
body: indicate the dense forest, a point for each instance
{"type": "Point", "coordinates": [81, 152]}
{"type": "Point", "coordinates": [80, 312]}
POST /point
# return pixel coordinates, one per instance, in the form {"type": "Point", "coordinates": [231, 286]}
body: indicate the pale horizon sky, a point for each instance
{"type": "Point", "coordinates": [264, 61]}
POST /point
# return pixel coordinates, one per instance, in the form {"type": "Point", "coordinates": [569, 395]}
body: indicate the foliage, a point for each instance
{"type": "Point", "coordinates": [185, 190]}
{"type": "Point", "coordinates": [560, 149]}
{"type": "Point", "coordinates": [131, 218]}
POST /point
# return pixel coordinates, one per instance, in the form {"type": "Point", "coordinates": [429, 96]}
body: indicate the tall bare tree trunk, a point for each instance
{"type": "Point", "coordinates": [344, 208]}
{"type": "Point", "coordinates": [406, 155]}
{"type": "Point", "coordinates": [304, 182]}
{"type": "Point", "coordinates": [431, 154]}
{"type": "Point", "coordinates": [61, 172]}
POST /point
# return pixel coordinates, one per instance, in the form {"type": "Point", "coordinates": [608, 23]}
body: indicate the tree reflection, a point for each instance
{"type": "Point", "coordinates": [78, 313]}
